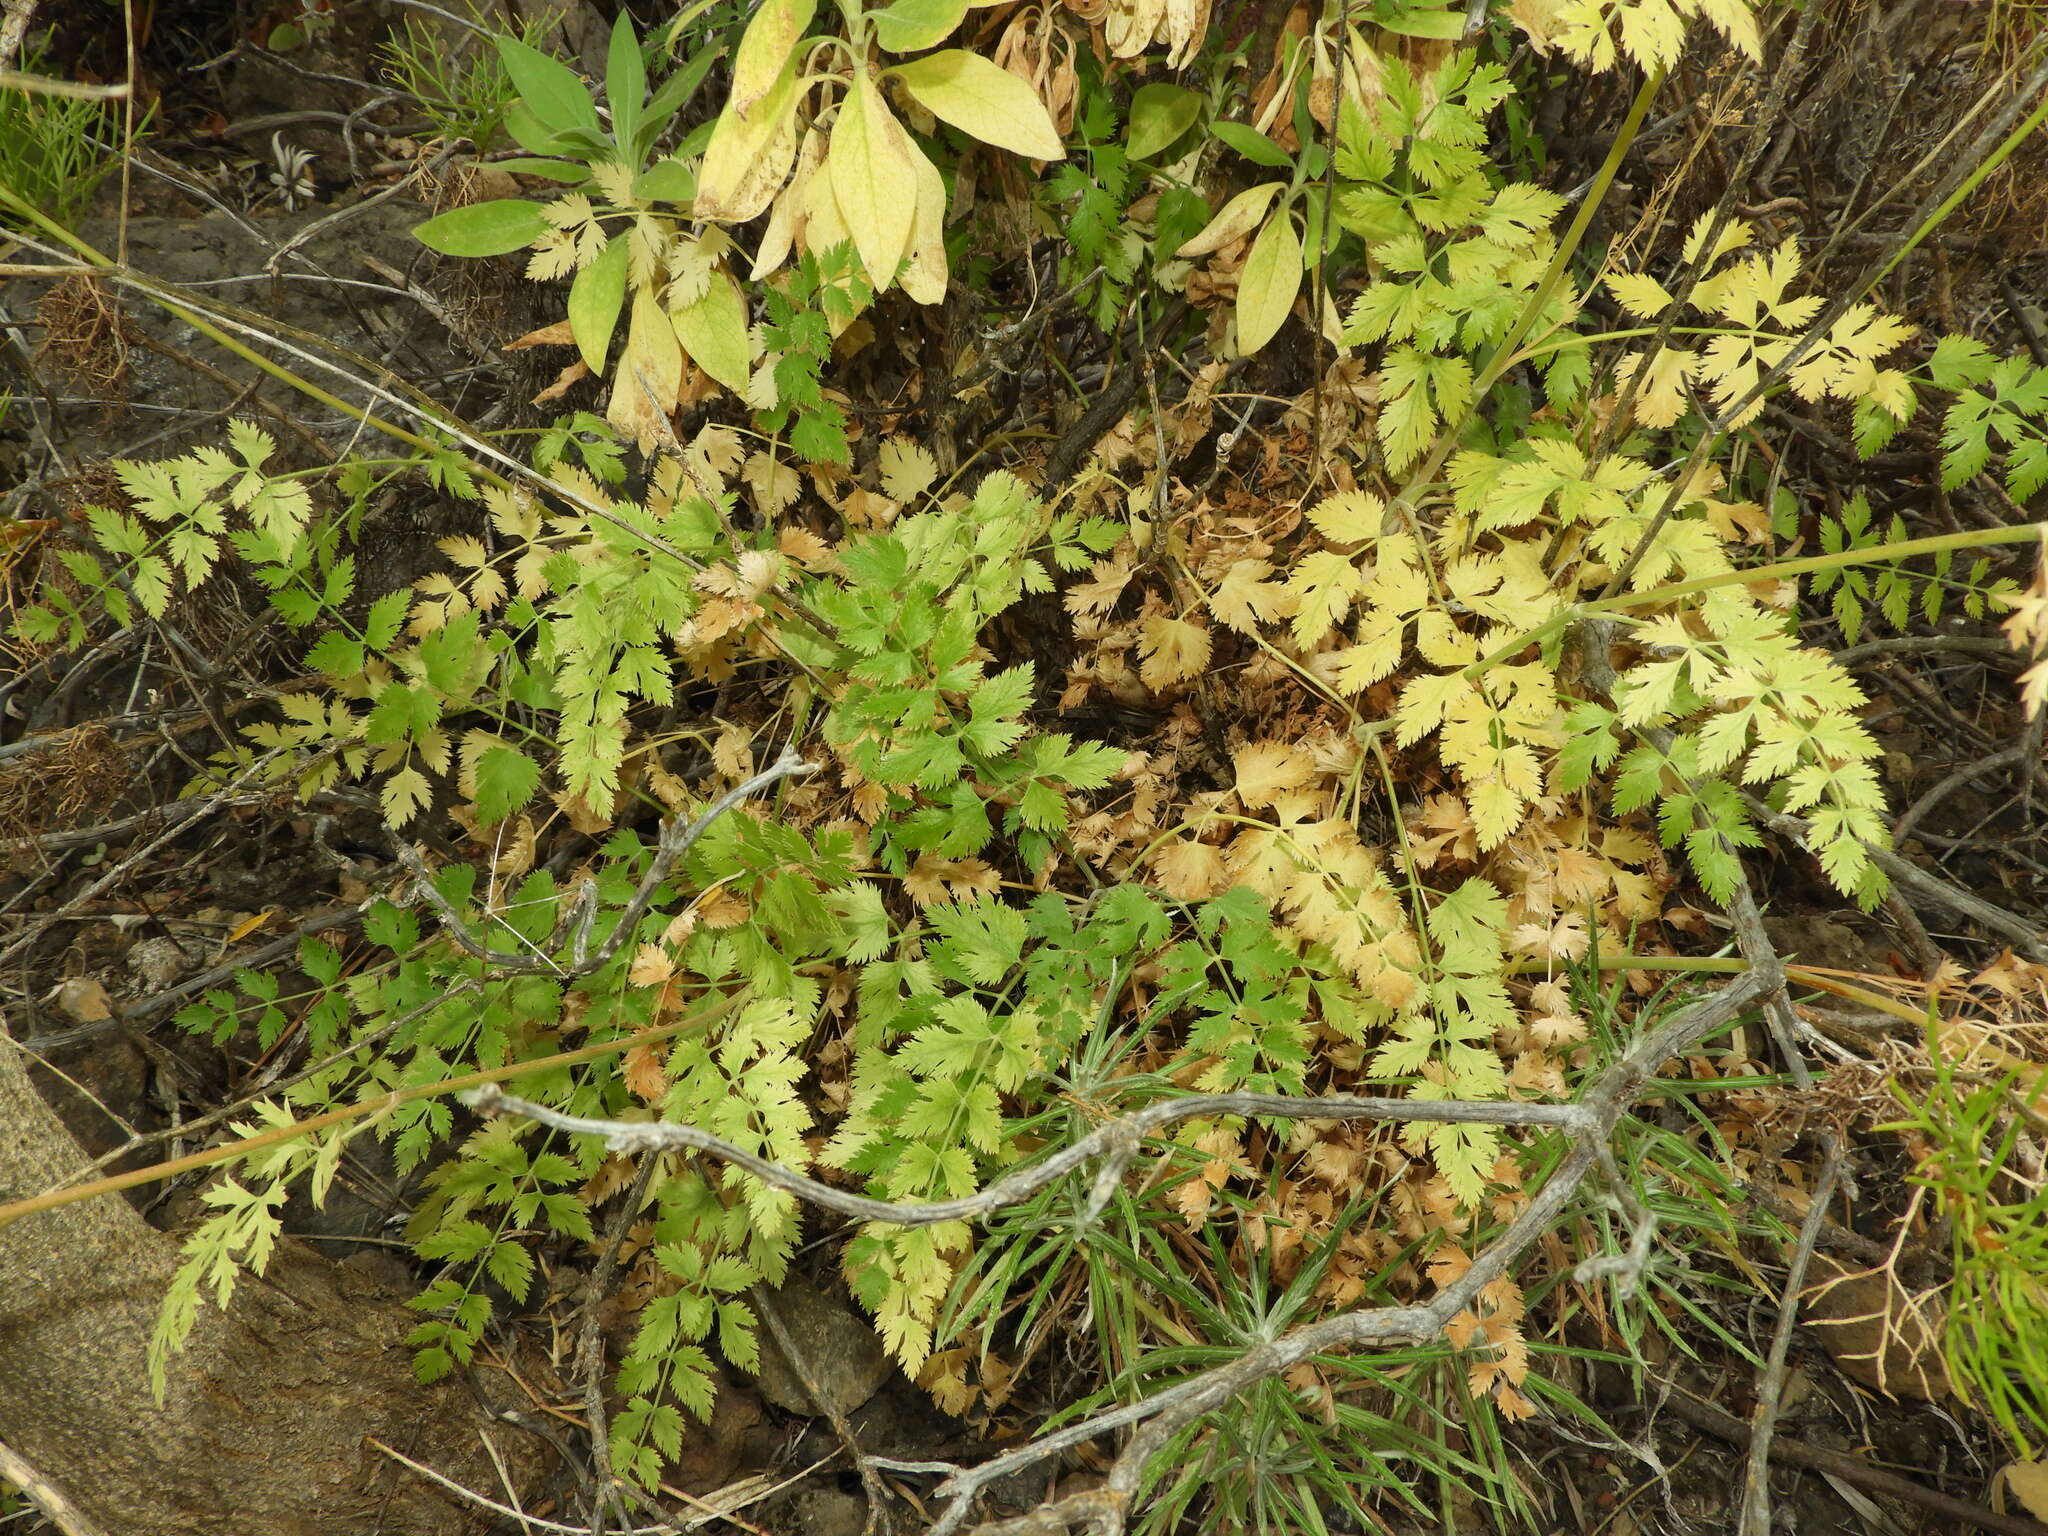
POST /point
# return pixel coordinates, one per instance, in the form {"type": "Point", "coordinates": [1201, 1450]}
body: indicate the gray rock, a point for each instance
{"type": "Point", "coordinates": [838, 1349]}
{"type": "Point", "coordinates": [829, 1512]}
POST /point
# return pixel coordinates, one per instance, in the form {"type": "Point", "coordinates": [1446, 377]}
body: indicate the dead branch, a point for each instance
{"type": "Point", "coordinates": [1756, 1503]}
{"type": "Point", "coordinates": [1854, 1470]}
{"type": "Point", "coordinates": [55, 1504]}
{"type": "Point", "coordinates": [1117, 1142]}
{"type": "Point", "coordinates": [1590, 1123]}
{"type": "Point", "coordinates": [575, 925]}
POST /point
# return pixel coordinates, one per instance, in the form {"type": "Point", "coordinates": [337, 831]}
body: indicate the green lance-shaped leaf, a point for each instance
{"type": "Point", "coordinates": [595, 298]}
{"type": "Point", "coordinates": [484, 229]}
{"type": "Point", "coordinates": [553, 92]}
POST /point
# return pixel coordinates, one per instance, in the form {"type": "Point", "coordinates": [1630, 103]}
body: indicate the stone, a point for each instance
{"type": "Point", "coordinates": [839, 1350]}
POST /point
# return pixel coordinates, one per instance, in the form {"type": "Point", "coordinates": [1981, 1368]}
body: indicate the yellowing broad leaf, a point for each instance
{"type": "Point", "coordinates": [1267, 769]}
{"type": "Point", "coordinates": [823, 224]}
{"type": "Point", "coordinates": [2028, 1480]}
{"type": "Point", "coordinates": [1267, 285]}
{"type": "Point", "coordinates": [650, 374]}
{"type": "Point", "coordinates": [1187, 23]}
{"type": "Point", "coordinates": [780, 234]}
{"type": "Point", "coordinates": [750, 151]}
{"type": "Point", "coordinates": [1238, 218]}
{"type": "Point", "coordinates": [766, 50]}
{"type": "Point", "coordinates": [1131, 25]}
{"type": "Point", "coordinates": [924, 279]}
{"type": "Point", "coordinates": [873, 168]}
{"type": "Point", "coordinates": [980, 97]}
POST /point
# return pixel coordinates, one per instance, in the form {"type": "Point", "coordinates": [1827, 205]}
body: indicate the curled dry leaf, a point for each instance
{"type": "Point", "coordinates": [571, 374]}
{"type": "Point", "coordinates": [557, 335]}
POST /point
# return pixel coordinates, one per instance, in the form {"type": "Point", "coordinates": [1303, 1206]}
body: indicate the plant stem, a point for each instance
{"type": "Point", "coordinates": [17, 1209]}
{"type": "Point", "coordinates": [1933, 544]}
{"type": "Point", "coordinates": [1504, 356]}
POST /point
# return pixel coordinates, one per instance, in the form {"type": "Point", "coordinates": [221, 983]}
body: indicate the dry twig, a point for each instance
{"type": "Point", "coordinates": [1590, 1123]}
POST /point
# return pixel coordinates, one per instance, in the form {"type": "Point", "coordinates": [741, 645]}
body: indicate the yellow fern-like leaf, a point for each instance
{"type": "Point", "coordinates": [1375, 654]}
{"type": "Point", "coordinates": [1734, 235]}
{"type": "Point", "coordinates": [1352, 517]}
{"type": "Point", "coordinates": [1639, 293]}
{"type": "Point", "coordinates": [1652, 31]}
{"type": "Point", "coordinates": [1844, 365]}
{"type": "Point", "coordinates": [1323, 584]}
{"type": "Point", "coordinates": [1172, 650]}
{"type": "Point", "coordinates": [1662, 399]}
{"type": "Point", "coordinates": [1244, 599]}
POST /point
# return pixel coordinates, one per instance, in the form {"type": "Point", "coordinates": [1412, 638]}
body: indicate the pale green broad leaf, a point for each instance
{"type": "Point", "coordinates": [1440, 25]}
{"type": "Point", "coordinates": [980, 97]}
{"type": "Point", "coordinates": [714, 332]}
{"type": "Point", "coordinates": [911, 26]}
{"type": "Point", "coordinates": [595, 298]}
{"type": "Point", "coordinates": [1253, 145]}
{"type": "Point", "coordinates": [666, 181]}
{"type": "Point", "coordinates": [1160, 113]}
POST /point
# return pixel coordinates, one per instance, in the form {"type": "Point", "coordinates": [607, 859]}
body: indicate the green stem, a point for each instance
{"type": "Point", "coordinates": [1504, 357]}
{"type": "Point", "coordinates": [212, 332]}
{"type": "Point", "coordinates": [1969, 184]}
{"type": "Point", "coordinates": [1933, 544]}
{"type": "Point", "coordinates": [17, 1209]}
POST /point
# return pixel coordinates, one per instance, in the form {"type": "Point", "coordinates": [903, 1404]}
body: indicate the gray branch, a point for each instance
{"type": "Point", "coordinates": [676, 839]}
{"type": "Point", "coordinates": [1590, 1123]}
{"type": "Point", "coordinates": [1116, 1141]}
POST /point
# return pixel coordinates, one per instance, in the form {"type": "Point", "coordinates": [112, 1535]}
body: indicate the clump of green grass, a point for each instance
{"type": "Point", "coordinates": [55, 149]}
{"type": "Point", "coordinates": [464, 90]}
